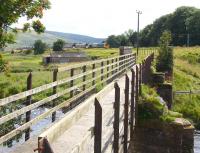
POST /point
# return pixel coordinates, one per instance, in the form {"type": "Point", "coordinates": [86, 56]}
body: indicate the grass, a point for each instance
{"type": "Point", "coordinates": [187, 77]}
{"type": "Point", "coordinates": [150, 107]}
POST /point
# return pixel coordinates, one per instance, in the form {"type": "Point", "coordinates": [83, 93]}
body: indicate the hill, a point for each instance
{"type": "Point", "coordinates": [28, 39]}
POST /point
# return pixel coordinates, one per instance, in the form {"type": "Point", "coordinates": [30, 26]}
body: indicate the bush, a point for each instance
{"type": "Point", "coordinates": [27, 52]}
{"type": "Point", "coordinates": [165, 57]}
{"type": "Point", "coordinates": [58, 45]}
{"type": "Point", "coordinates": [39, 47]}
{"type": "Point", "coordinates": [151, 107]}
{"type": "Point", "coordinates": [4, 67]}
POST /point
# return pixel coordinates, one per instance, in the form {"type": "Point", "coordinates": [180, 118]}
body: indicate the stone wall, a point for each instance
{"type": "Point", "coordinates": [159, 137]}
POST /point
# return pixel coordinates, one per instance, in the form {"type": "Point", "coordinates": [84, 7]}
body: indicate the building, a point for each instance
{"type": "Point", "coordinates": [65, 57]}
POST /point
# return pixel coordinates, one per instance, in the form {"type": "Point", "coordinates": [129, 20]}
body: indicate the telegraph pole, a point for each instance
{"type": "Point", "coordinates": [188, 40]}
{"type": "Point", "coordinates": [138, 29]}
{"type": "Point", "coordinates": [188, 37]}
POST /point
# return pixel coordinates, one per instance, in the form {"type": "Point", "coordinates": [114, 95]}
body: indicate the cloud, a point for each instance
{"type": "Point", "coordinates": [101, 18]}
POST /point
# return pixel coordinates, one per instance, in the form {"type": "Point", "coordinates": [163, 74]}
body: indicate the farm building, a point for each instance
{"type": "Point", "coordinates": [65, 57]}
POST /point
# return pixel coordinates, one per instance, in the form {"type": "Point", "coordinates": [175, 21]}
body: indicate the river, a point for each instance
{"type": "Point", "coordinates": [197, 142]}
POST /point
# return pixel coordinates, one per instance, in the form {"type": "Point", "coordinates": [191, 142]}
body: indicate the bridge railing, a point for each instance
{"type": "Point", "coordinates": [121, 135]}
{"type": "Point", "coordinates": [83, 79]}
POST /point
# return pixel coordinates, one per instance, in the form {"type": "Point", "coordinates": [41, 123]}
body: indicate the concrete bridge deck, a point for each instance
{"type": "Point", "coordinates": [79, 137]}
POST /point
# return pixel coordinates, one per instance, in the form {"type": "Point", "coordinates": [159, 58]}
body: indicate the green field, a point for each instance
{"type": "Point", "coordinates": [187, 77]}
{"type": "Point", "coordinates": [21, 65]}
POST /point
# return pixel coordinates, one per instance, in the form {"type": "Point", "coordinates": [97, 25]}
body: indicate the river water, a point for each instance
{"type": "Point", "coordinates": [35, 129]}
{"type": "Point", "coordinates": [197, 142]}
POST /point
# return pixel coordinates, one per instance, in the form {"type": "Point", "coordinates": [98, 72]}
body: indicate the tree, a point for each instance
{"type": "Point", "coordinates": [193, 28]}
{"type": "Point", "coordinates": [117, 41]}
{"type": "Point", "coordinates": [12, 10]}
{"type": "Point", "coordinates": [39, 47]}
{"type": "Point", "coordinates": [184, 21]}
{"type": "Point", "coordinates": [58, 45]}
{"type": "Point", "coordinates": [113, 41]}
{"type": "Point", "coordinates": [132, 37]}
{"type": "Point", "coordinates": [165, 57]}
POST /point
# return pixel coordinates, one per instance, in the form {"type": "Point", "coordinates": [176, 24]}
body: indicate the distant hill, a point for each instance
{"type": "Point", "coordinates": [27, 39]}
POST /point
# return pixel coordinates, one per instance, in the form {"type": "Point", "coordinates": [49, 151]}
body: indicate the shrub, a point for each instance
{"type": "Point", "coordinates": [4, 67]}
{"type": "Point", "coordinates": [165, 57]}
{"type": "Point", "coordinates": [151, 107]}
{"type": "Point", "coordinates": [58, 45]}
{"type": "Point", "coordinates": [29, 51]}
{"type": "Point", "coordinates": [39, 47]}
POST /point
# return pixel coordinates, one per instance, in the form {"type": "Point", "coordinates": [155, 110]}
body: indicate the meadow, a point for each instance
{"type": "Point", "coordinates": [186, 78]}
{"type": "Point", "coordinates": [186, 75]}
{"type": "Point", "coordinates": [21, 64]}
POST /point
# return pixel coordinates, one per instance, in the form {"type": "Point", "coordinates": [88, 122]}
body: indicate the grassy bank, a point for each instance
{"type": "Point", "coordinates": [187, 77]}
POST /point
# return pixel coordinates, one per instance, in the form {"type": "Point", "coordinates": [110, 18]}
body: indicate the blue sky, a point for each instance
{"type": "Point", "coordinates": [101, 18]}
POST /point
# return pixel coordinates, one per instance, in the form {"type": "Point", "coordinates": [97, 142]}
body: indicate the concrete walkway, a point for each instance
{"type": "Point", "coordinates": [79, 138]}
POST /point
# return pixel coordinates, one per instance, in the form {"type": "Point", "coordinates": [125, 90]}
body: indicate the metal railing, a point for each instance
{"type": "Point", "coordinates": [139, 75]}
{"type": "Point", "coordinates": [86, 76]}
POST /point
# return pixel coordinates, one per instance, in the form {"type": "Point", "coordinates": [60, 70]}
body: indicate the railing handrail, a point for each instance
{"type": "Point", "coordinates": [33, 91]}
{"type": "Point", "coordinates": [121, 66]}
{"type": "Point", "coordinates": [107, 72]}
{"type": "Point", "coordinates": [61, 69]}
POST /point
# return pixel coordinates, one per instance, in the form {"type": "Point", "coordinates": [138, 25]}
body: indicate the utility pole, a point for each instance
{"type": "Point", "coordinates": [138, 29]}
{"type": "Point", "coordinates": [188, 37]}
{"type": "Point", "coordinates": [188, 40]}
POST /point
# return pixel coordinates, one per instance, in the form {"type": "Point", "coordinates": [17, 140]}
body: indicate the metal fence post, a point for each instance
{"type": "Point", "coordinates": [132, 103]}
{"type": "Point", "coordinates": [102, 69]}
{"type": "Point", "coordinates": [137, 95]}
{"type": "Point", "coordinates": [84, 77]}
{"type": "Point", "coordinates": [97, 127]}
{"type": "Point", "coordinates": [108, 68]}
{"type": "Point", "coordinates": [116, 119]}
{"type": "Point", "coordinates": [28, 102]}
{"type": "Point", "coordinates": [71, 82]}
{"type": "Point", "coordinates": [112, 66]}
{"type": "Point", "coordinates": [117, 65]}
{"type": "Point", "coordinates": [55, 74]}
{"type": "Point", "coordinates": [93, 74]}
{"type": "Point", "coordinates": [140, 79]}
{"type": "Point", "coordinates": [126, 105]}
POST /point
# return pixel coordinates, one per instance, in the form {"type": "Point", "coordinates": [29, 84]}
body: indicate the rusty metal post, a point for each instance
{"type": "Point", "coordinates": [126, 110]}
{"type": "Point", "coordinates": [140, 79]}
{"type": "Point", "coordinates": [144, 72]}
{"type": "Point", "coordinates": [93, 74]}
{"type": "Point", "coordinates": [112, 66]}
{"type": "Point", "coordinates": [71, 82]}
{"type": "Point", "coordinates": [44, 146]}
{"type": "Point", "coordinates": [102, 70]}
{"type": "Point", "coordinates": [108, 68]}
{"type": "Point", "coordinates": [117, 65]}
{"type": "Point", "coordinates": [116, 119]}
{"type": "Point", "coordinates": [28, 102]}
{"type": "Point", "coordinates": [55, 74]}
{"type": "Point", "coordinates": [97, 127]}
{"type": "Point", "coordinates": [84, 77]}
{"type": "Point", "coordinates": [132, 119]}
{"type": "Point", "coordinates": [137, 95]}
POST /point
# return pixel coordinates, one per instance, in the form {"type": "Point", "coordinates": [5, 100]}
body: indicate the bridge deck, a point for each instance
{"type": "Point", "coordinates": [78, 137]}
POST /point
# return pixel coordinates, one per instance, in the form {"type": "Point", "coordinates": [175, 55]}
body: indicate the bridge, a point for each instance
{"type": "Point", "coordinates": [100, 103]}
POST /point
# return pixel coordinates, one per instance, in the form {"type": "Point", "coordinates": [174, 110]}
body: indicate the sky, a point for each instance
{"type": "Point", "coordinates": [101, 18]}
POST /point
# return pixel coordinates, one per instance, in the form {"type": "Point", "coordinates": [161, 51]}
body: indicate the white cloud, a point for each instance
{"type": "Point", "coordinates": [101, 18]}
